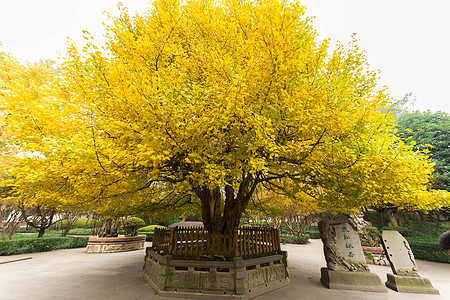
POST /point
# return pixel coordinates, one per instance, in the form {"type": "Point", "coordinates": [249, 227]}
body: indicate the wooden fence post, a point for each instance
{"type": "Point", "coordinates": [235, 242]}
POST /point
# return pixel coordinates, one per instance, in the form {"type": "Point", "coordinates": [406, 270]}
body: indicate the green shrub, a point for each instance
{"type": "Point", "coordinates": [150, 228]}
{"type": "Point", "coordinates": [427, 250]}
{"type": "Point", "coordinates": [131, 225]}
{"type": "Point", "coordinates": [148, 236]}
{"type": "Point", "coordinates": [52, 234]}
{"type": "Point", "coordinates": [166, 221]}
{"type": "Point", "coordinates": [313, 228]}
{"type": "Point", "coordinates": [313, 234]}
{"type": "Point", "coordinates": [41, 244]}
{"type": "Point", "coordinates": [303, 239]}
{"type": "Point", "coordinates": [134, 222]}
{"type": "Point", "coordinates": [87, 223]}
{"type": "Point", "coordinates": [289, 239]}
{"type": "Point", "coordinates": [80, 231]}
{"type": "Point", "coordinates": [193, 218]}
{"type": "Point", "coordinates": [26, 230]}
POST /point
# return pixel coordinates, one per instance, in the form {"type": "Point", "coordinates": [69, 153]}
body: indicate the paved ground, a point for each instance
{"type": "Point", "coordinates": [73, 274]}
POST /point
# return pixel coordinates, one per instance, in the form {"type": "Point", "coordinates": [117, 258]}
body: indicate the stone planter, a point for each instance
{"type": "Point", "coordinates": [115, 244]}
{"type": "Point", "coordinates": [237, 279]}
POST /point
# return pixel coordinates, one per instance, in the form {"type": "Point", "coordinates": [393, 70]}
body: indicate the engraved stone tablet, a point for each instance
{"type": "Point", "coordinates": [346, 265]}
{"type": "Point", "coordinates": [405, 278]}
{"type": "Point", "coordinates": [342, 247]}
{"type": "Point", "coordinates": [399, 253]}
{"type": "Point", "coordinates": [347, 240]}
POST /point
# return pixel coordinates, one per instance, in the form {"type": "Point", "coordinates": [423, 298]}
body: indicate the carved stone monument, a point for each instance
{"type": "Point", "coordinates": [403, 265]}
{"type": "Point", "coordinates": [346, 266]}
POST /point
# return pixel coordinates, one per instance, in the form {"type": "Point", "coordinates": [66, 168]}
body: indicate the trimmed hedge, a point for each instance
{"type": "Point", "coordinates": [80, 231]}
{"type": "Point", "coordinates": [150, 228]}
{"type": "Point", "coordinates": [41, 244]}
{"type": "Point", "coordinates": [313, 234]}
{"type": "Point", "coordinates": [26, 230]}
{"type": "Point", "coordinates": [148, 236]}
{"type": "Point", "coordinates": [148, 231]}
{"type": "Point", "coordinates": [134, 222]}
{"type": "Point", "coordinates": [48, 234]}
{"type": "Point", "coordinates": [289, 239]}
{"type": "Point", "coordinates": [428, 251]}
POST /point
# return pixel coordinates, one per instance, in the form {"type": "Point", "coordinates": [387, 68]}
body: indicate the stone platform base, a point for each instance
{"type": "Point", "coordinates": [410, 284]}
{"type": "Point", "coordinates": [357, 281]}
{"type": "Point", "coordinates": [237, 279]}
{"type": "Point", "coordinates": [115, 244]}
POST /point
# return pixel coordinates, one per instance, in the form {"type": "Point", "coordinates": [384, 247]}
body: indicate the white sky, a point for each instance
{"type": "Point", "coordinates": [409, 40]}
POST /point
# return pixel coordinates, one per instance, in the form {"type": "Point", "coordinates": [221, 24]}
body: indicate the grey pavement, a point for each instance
{"type": "Point", "coordinates": [74, 274]}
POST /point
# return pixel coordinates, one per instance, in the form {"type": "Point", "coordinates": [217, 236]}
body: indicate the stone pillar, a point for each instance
{"type": "Point", "coordinates": [285, 262]}
{"type": "Point", "coordinates": [240, 275]}
{"type": "Point", "coordinates": [156, 272]}
{"type": "Point", "coordinates": [164, 271]}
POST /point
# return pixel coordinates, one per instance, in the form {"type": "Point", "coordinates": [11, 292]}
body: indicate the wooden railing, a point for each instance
{"type": "Point", "coordinates": [199, 242]}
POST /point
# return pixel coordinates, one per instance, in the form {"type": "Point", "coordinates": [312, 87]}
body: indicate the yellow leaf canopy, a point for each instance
{"type": "Point", "coordinates": [214, 98]}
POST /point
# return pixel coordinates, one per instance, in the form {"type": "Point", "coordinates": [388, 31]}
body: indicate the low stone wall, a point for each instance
{"type": "Point", "coordinates": [239, 279]}
{"type": "Point", "coordinates": [379, 256]}
{"type": "Point", "coordinates": [115, 244]}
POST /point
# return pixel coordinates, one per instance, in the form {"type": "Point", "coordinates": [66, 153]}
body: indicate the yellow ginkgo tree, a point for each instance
{"type": "Point", "coordinates": [213, 99]}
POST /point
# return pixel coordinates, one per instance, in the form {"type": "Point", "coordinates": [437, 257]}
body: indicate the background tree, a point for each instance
{"type": "Point", "coordinates": [212, 99]}
{"type": "Point", "coordinates": [110, 227]}
{"type": "Point", "coordinates": [39, 217]}
{"type": "Point", "coordinates": [67, 221]}
{"type": "Point", "coordinates": [10, 218]}
{"type": "Point", "coordinates": [427, 128]}
{"type": "Point", "coordinates": [131, 225]}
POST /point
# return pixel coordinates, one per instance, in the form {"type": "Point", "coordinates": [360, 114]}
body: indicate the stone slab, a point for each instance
{"type": "Point", "coordinates": [399, 253]}
{"type": "Point", "coordinates": [410, 284]}
{"type": "Point", "coordinates": [357, 281]}
{"type": "Point", "coordinates": [347, 240]}
{"type": "Point", "coordinates": [342, 247]}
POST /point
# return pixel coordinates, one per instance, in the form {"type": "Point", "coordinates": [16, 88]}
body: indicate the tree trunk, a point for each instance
{"type": "Point", "coordinates": [392, 220]}
{"type": "Point", "coordinates": [41, 231]}
{"type": "Point", "coordinates": [12, 224]}
{"type": "Point", "coordinates": [211, 208]}
{"type": "Point", "coordinates": [110, 228]}
{"type": "Point", "coordinates": [423, 222]}
{"type": "Point", "coordinates": [226, 222]}
{"type": "Point", "coordinates": [357, 220]}
{"type": "Point", "coordinates": [38, 217]}
{"type": "Point", "coordinates": [235, 206]}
